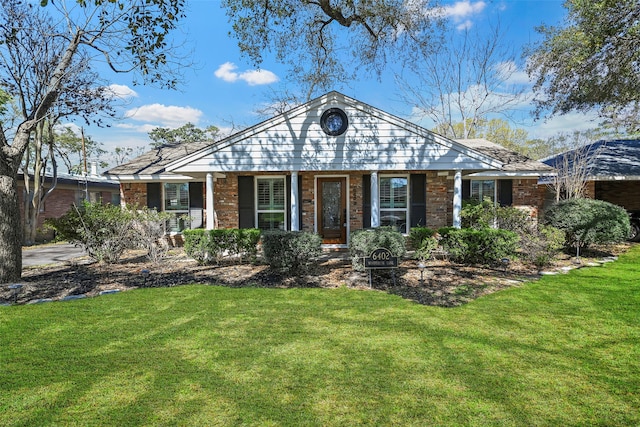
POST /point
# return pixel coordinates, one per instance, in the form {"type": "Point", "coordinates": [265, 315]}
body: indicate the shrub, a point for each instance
{"type": "Point", "coordinates": [290, 251]}
{"type": "Point", "coordinates": [542, 245]}
{"type": "Point", "coordinates": [483, 246]}
{"type": "Point", "coordinates": [103, 231]}
{"type": "Point", "coordinates": [363, 242]}
{"type": "Point", "coordinates": [423, 240]}
{"type": "Point", "coordinates": [148, 226]}
{"type": "Point", "coordinates": [211, 246]}
{"type": "Point", "coordinates": [486, 214]}
{"type": "Point", "coordinates": [588, 221]}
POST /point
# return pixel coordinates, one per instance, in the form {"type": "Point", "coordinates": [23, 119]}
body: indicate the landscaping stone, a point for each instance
{"type": "Point", "coordinates": [73, 297]}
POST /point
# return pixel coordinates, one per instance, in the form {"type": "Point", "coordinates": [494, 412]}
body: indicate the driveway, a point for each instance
{"type": "Point", "coordinates": [50, 254]}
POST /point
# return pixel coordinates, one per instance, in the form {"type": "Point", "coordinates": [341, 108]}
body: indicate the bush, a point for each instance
{"type": "Point", "coordinates": [363, 242]}
{"type": "Point", "coordinates": [588, 221]}
{"type": "Point", "coordinates": [290, 251]}
{"type": "Point", "coordinates": [542, 245]}
{"type": "Point", "coordinates": [423, 240]}
{"type": "Point", "coordinates": [486, 214]}
{"type": "Point", "coordinates": [103, 231]}
{"type": "Point", "coordinates": [211, 246]}
{"type": "Point", "coordinates": [483, 246]}
{"type": "Point", "coordinates": [149, 232]}
{"type": "Point", "coordinates": [106, 231]}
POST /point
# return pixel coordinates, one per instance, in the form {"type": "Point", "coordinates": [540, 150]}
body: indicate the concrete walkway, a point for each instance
{"type": "Point", "coordinates": [50, 254]}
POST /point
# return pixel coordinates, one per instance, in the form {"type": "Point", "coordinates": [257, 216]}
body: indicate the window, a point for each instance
{"type": "Point", "coordinates": [394, 202]}
{"type": "Point", "coordinates": [334, 122]}
{"type": "Point", "coordinates": [176, 201]}
{"type": "Point", "coordinates": [483, 189]}
{"type": "Point", "coordinates": [271, 203]}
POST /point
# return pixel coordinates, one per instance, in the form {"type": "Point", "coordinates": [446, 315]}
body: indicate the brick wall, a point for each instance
{"type": "Point", "coordinates": [527, 194]}
{"type": "Point", "coordinates": [621, 193]}
{"type": "Point", "coordinates": [133, 194]}
{"type": "Point", "coordinates": [439, 200]}
{"type": "Point", "coordinates": [225, 199]}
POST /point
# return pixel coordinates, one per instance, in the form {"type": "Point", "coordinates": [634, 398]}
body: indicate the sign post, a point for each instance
{"type": "Point", "coordinates": [381, 258]}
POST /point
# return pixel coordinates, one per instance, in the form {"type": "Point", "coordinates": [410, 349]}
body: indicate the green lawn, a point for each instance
{"type": "Point", "coordinates": [561, 351]}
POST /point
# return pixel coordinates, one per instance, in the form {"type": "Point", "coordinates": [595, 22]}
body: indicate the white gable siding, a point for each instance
{"type": "Point", "coordinates": [373, 141]}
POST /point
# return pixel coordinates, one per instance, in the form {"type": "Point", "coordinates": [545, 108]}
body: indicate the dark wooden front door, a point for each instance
{"type": "Point", "coordinates": [332, 210]}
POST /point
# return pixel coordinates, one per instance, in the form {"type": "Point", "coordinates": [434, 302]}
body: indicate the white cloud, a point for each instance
{"type": "Point", "coordinates": [462, 9]}
{"type": "Point", "coordinates": [565, 123]}
{"type": "Point", "coordinates": [512, 74]}
{"type": "Point", "coordinates": [165, 115]}
{"type": "Point", "coordinates": [227, 72]}
{"type": "Point", "coordinates": [122, 91]}
{"type": "Point", "coordinates": [460, 12]}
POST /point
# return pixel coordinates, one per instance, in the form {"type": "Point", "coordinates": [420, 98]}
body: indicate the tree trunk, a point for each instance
{"type": "Point", "coordinates": [10, 229]}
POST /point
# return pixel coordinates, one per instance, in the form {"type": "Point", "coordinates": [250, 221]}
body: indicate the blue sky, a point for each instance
{"type": "Point", "coordinates": [222, 88]}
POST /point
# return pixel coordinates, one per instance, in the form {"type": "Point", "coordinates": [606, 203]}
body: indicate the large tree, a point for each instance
{"type": "Point", "coordinates": [464, 79]}
{"type": "Point", "coordinates": [326, 41]}
{"type": "Point", "coordinates": [184, 134]}
{"type": "Point", "coordinates": [126, 35]}
{"type": "Point", "coordinates": [592, 63]}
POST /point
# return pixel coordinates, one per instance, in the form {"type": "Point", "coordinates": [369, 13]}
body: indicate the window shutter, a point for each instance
{"type": "Point", "coordinates": [288, 197]}
{"type": "Point", "coordinates": [366, 201]}
{"type": "Point", "coordinates": [505, 192]}
{"type": "Point", "coordinates": [196, 204]}
{"type": "Point", "coordinates": [154, 195]}
{"type": "Point", "coordinates": [196, 200]}
{"type": "Point", "coordinates": [418, 200]}
{"type": "Point", "coordinates": [246, 210]}
{"type": "Point", "coordinates": [466, 189]}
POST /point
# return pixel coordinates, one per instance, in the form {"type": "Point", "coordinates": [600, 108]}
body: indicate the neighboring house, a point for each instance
{"type": "Point", "coordinates": [69, 190]}
{"type": "Point", "coordinates": [330, 166]}
{"type": "Point", "coordinates": [612, 173]}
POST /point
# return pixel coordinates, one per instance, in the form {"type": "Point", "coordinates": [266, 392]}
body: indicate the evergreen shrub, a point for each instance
{"type": "Point", "coordinates": [290, 251]}
{"type": "Point", "coordinates": [363, 242]}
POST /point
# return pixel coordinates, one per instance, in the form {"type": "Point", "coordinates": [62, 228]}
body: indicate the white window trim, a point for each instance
{"type": "Point", "coordinates": [407, 208]}
{"type": "Point", "coordinates": [255, 200]}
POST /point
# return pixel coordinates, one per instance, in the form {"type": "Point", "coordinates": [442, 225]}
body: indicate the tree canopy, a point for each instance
{"type": "Point", "coordinates": [592, 63]}
{"type": "Point", "coordinates": [184, 134]}
{"type": "Point", "coordinates": [312, 36]}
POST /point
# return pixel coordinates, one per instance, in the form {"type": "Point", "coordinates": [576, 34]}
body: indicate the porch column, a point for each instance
{"type": "Point", "coordinates": [457, 198]}
{"type": "Point", "coordinates": [210, 212]}
{"type": "Point", "coordinates": [375, 200]}
{"type": "Point", "coordinates": [295, 221]}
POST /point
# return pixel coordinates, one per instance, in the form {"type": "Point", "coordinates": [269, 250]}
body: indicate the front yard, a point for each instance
{"type": "Point", "coordinates": [563, 350]}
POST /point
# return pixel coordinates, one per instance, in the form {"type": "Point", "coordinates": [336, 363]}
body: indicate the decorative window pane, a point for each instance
{"type": "Point", "coordinates": [481, 190]}
{"type": "Point", "coordinates": [176, 196]}
{"type": "Point", "coordinates": [393, 193]}
{"type": "Point", "coordinates": [271, 221]}
{"type": "Point", "coordinates": [176, 201]}
{"type": "Point", "coordinates": [271, 203]}
{"type": "Point", "coordinates": [271, 194]}
{"type": "Point", "coordinates": [394, 202]}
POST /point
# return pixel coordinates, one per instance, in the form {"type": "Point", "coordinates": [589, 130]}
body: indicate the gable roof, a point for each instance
{"type": "Point", "coordinates": [154, 162]}
{"type": "Point", "coordinates": [294, 140]}
{"type": "Point", "coordinates": [617, 159]}
{"type": "Point", "coordinates": [512, 161]}
{"type": "Point", "coordinates": [374, 140]}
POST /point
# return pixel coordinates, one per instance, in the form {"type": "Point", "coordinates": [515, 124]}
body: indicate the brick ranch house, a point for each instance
{"type": "Point", "coordinates": [69, 190]}
{"type": "Point", "coordinates": [330, 166]}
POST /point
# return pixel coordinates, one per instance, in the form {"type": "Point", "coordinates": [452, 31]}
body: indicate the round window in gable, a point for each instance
{"type": "Point", "coordinates": [334, 122]}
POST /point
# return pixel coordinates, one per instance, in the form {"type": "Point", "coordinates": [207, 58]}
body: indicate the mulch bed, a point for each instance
{"type": "Point", "coordinates": [445, 284]}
